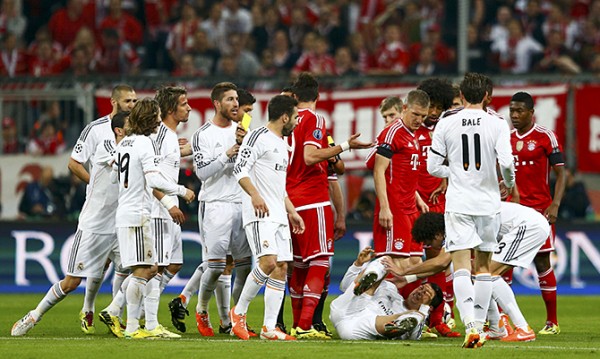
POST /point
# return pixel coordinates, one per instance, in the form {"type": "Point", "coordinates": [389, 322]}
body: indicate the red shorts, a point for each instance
{"type": "Point", "coordinates": [397, 241]}
{"type": "Point", "coordinates": [438, 208]}
{"type": "Point", "coordinates": [317, 239]}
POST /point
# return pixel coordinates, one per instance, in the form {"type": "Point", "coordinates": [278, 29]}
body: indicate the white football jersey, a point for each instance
{"type": "Point", "coordinates": [263, 157]}
{"type": "Point", "coordinates": [471, 140]}
{"type": "Point", "coordinates": [94, 133]}
{"type": "Point", "coordinates": [137, 160]}
{"type": "Point", "coordinates": [98, 212]}
{"type": "Point", "coordinates": [212, 166]}
{"type": "Point", "coordinates": [169, 163]}
{"type": "Point", "coordinates": [513, 215]}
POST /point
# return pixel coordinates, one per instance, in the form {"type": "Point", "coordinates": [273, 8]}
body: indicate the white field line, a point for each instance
{"type": "Point", "coordinates": [426, 343]}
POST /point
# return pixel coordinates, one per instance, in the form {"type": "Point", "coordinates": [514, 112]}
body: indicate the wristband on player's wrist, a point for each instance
{"type": "Point", "coordinates": [345, 146]}
{"type": "Point", "coordinates": [168, 202]}
{"type": "Point", "coordinates": [410, 278]}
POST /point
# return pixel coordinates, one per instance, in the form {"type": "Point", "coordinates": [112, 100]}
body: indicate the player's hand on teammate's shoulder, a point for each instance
{"type": "Point", "coordinates": [233, 150]}
{"type": "Point", "coordinates": [176, 214]}
{"type": "Point", "coordinates": [296, 222]}
{"type": "Point", "coordinates": [356, 144]}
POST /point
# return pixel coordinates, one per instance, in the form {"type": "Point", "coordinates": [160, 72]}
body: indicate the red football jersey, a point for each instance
{"type": "Point", "coordinates": [427, 183]}
{"type": "Point", "coordinates": [307, 186]}
{"type": "Point", "coordinates": [535, 152]}
{"type": "Point", "coordinates": [401, 176]}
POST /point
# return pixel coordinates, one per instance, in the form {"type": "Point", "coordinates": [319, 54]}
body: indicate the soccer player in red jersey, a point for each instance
{"type": "Point", "coordinates": [307, 187]}
{"type": "Point", "coordinates": [432, 189]}
{"type": "Point", "coordinates": [536, 151]}
{"type": "Point", "coordinates": [395, 164]}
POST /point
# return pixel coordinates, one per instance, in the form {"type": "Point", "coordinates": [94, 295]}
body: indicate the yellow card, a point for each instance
{"type": "Point", "coordinates": [246, 121]}
{"type": "Point", "coordinates": [330, 141]}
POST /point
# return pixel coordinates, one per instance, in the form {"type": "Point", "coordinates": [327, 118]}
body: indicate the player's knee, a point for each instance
{"type": "Point", "coordinates": [69, 284]}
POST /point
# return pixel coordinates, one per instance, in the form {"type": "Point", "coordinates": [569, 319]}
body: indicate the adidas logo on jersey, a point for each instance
{"type": "Point", "coordinates": [306, 288]}
{"type": "Point", "coordinates": [218, 145]}
{"type": "Point", "coordinates": [275, 151]}
{"type": "Point", "coordinates": [410, 145]}
{"type": "Point", "coordinates": [421, 137]}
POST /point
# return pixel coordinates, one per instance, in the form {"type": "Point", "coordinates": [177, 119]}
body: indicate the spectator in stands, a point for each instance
{"type": "Point", "coordinates": [360, 53]}
{"type": "Point", "coordinates": [298, 29]}
{"type": "Point", "coordinates": [205, 55]}
{"type": "Point", "coordinates": [558, 19]}
{"type": "Point", "coordinates": [73, 193]}
{"type": "Point", "coordinates": [66, 22]}
{"type": "Point", "coordinates": [38, 199]}
{"type": "Point", "coordinates": [264, 33]}
{"type": "Point", "coordinates": [214, 27]}
{"type": "Point", "coordinates": [344, 66]}
{"type": "Point", "coordinates": [42, 35]}
{"type": "Point", "coordinates": [392, 57]}
{"type": "Point", "coordinates": [426, 65]}
{"type": "Point", "coordinates": [13, 60]}
{"type": "Point", "coordinates": [116, 57]}
{"type": "Point", "coordinates": [181, 36]}
{"type": "Point", "coordinates": [128, 27]}
{"type": "Point", "coordinates": [11, 142]}
{"type": "Point", "coordinates": [587, 42]}
{"type": "Point", "coordinates": [478, 52]}
{"type": "Point", "coordinates": [532, 19]}
{"type": "Point", "coordinates": [283, 56]}
{"type": "Point", "coordinates": [238, 20]}
{"type": "Point", "coordinates": [227, 68]}
{"type": "Point", "coordinates": [158, 14]}
{"type": "Point", "coordinates": [516, 54]}
{"type": "Point", "coordinates": [556, 56]}
{"type": "Point", "coordinates": [363, 211]}
{"type": "Point", "coordinates": [499, 30]}
{"type": "Point", "coordinates": [443, 55]}
{"type": "Point", "coordinates": [315, 57]}
{"type": "Point", "coordinates": [329, 27]}
{"type": "Point", "coordinates": [47, 140]}
{"type": "Point", "coordinates": [575, 203]}
{"type": "Point", "coordinates": [80, 62]}
{"type": "Point", "coordinates": [12, 19]}
{"type": "Point", "coordinates": [43, 62]}
{"type": "Point", "coordinates": [267, 66]}
{"type": "Point", "coordinates": [594, 66]}
{"type": "Point", "coordinates": [246, 61]}
{"type": "Point", "coordinates": [187, 67]}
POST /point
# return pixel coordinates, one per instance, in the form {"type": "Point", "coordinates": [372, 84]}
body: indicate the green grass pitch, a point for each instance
{"type": "Point", "coordinates": [58, 336]}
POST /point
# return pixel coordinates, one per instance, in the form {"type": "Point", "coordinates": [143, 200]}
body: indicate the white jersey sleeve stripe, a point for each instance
{"type": "Point", "coordinates": [550, 134]}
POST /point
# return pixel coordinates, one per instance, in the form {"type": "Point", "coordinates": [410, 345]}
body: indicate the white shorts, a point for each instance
{"type": "Point", "coordinates": [136, 245]}
{"type": "Point", "coordinates": [89, 253]}
{"type": "Point", "coordinates": [360, 326]}
{"type": "Point", "coordinates": [221, 230]}
{"type": "Point", "coordinates": [270, 238]}
{"type": "Point", "coordinates": [519, 246]}
{"type": "Point", "coordinates": [464, 231]}
{"type": "Point", "coordinates": [167, 242]}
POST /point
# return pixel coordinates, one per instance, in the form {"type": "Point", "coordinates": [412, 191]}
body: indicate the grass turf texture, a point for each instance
{"type": "Point", "coordinates": [58, 336]}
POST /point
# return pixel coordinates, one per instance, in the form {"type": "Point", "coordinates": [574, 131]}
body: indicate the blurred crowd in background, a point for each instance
{"type": "Point", "coordinates": [268, 37]}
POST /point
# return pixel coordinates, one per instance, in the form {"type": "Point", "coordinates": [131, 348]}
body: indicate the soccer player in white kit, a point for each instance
{"type": "Point", "coordinates": [261, 169]}
{"type": "Point", "coordinates": [472, 141]}
{"type": "Point", "coordinates": [522, 232]}
{"type": "Point", "coordinates": [220, 212]}
{"type": "Point", "coordinates": [122, 98]}
{"type": "Point", "coordinates": [380, 312]}
{"type": "Point", "coordinates": [95, 240]}
{"type": "Point", "coordinates": [166, 215]}
{"type": "Point", "coordinates": [137, 157]}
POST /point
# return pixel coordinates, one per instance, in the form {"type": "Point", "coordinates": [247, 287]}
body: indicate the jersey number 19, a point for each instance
{"type": "Point", "coordinates": [124, 168]}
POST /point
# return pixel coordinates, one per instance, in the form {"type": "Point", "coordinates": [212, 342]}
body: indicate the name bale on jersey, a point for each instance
{"type": "Point", "coordinates": [471, 121]}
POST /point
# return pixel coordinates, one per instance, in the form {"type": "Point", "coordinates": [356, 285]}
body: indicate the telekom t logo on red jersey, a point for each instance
{"type": "Point", "coordinates": [414, 161]}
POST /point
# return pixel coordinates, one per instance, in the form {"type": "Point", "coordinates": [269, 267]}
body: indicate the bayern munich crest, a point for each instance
{"type": "Point", "coordinates": [399, 245]}
{"type": "Point", "coordinates": [531, 145]}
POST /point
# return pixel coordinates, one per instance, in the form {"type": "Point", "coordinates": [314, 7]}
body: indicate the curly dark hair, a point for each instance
{"type": "Point", "coordinates": [427, 227]}
{"type": "Point", "coordinates": [143, 119]}
{"type": "Point", "coordinates": [439, 90]}
{"type": "Point", "coordinates": [168, 98]}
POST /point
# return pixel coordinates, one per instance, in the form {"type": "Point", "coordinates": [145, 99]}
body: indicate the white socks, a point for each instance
{"type": "Point", "coordinates": [274, 292]}
{"type": "Point", "coordinates": [223, 298]}
{"type": "Point", "coordinates": [464, 293]}
{"type": "Point", "coordinates": [256, 279]}
{"type": "Point", "coordinates": [54, 295]}
{"type": "Point", "coordinates": [135, 294]}
{"type": "Point", "coordinates": [483, 294]}
{"type": "Point", "coordinates": [503, 294]}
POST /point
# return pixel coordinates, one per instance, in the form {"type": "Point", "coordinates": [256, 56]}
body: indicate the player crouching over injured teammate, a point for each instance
{"type": "Point", "coordinates": [371, 307]}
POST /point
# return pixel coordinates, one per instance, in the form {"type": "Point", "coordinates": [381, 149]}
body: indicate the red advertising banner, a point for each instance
{"type": "Point", "coordinates": [358, 111]}
{"type": "Point", "coordinates": [587, 128]}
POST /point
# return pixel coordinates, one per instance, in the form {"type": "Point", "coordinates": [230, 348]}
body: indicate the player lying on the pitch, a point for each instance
{"type": "Point", "coordinates": [377, 310]}
{"type": "Point", "coordinates": [522, 232]}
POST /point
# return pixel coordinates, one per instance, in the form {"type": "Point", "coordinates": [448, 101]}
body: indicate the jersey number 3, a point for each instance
{"type": "Point", "coordinates": [124, 168]}
{"type": "Point", "coordinates": [465, 151]}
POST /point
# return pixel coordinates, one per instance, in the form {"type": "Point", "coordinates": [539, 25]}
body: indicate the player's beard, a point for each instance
{"type": "Point", "coordinates": [229, 117]}
{"type": "Point", "coordinates": [287, 129]}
